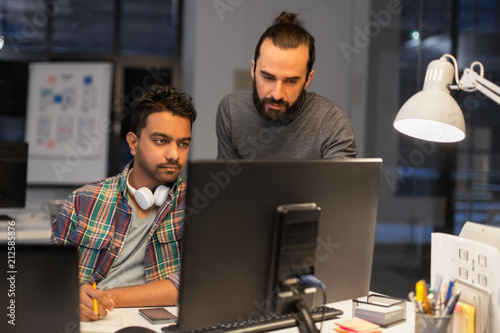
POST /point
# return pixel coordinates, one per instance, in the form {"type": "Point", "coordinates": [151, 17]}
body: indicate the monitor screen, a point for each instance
{"type": "Point", "coordinates": [13, 168]}
{"type": "Point", "coordinates": [226, 268]}
{"type": "Point", "coordinates": [40, 288]}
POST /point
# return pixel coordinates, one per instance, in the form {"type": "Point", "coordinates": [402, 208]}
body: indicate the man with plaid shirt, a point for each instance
{"type": "Point", "coordinates": [128, 228]}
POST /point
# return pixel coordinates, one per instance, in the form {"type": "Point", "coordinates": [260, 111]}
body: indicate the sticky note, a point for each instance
{"type": "Point", "coordinates": [358, 325]}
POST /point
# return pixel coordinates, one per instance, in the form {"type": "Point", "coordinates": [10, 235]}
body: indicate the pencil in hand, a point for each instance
{"type": "Point", "coordinates": [96, 310]}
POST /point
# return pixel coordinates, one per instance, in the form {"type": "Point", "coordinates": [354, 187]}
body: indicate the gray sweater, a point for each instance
{"type": "Point", "coordinates": [320, 130]}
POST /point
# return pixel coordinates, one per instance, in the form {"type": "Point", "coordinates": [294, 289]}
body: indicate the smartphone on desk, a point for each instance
{"type": "Point", "coordinates": [158, 315]}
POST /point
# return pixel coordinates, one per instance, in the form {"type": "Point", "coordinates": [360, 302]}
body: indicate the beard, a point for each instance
{"type": "Point", "coordinates": [277, 117]}
{"type": "Point", "coordinates": [156, 173]}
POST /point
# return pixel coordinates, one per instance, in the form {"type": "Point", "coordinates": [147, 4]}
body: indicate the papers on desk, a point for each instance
{"type": "Point", "coordinates": [464, 318]}
{"type": "Point", "coordinates": [379, 315]}
{"type": "Point", "coordinates": [116, 319]}
{"type": "Point", "coordinates": [380, 309]}
{"type": "Point", "coordinates": [112, 322]}
{"type": "Point", "coordinates": [475, 267]}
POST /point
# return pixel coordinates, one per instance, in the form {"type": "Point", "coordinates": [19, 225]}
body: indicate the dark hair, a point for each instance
{"type": "Point", "coordinates": [160, 98]}
{"type": "Point", "coordinates": [287, 33]}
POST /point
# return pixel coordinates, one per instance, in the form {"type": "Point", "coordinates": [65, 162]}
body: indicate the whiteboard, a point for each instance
{"type": "Point", "coordinates": [68, 122]}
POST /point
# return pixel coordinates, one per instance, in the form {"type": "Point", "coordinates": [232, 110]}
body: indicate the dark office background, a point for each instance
{"type": "Point", "coordinates": [447, 184]}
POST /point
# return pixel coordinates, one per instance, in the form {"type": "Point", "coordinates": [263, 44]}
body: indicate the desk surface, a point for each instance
{"type": "Point", "coordinates": [27, 226]}
{"type": "Point", "coordinates": [130, 317]}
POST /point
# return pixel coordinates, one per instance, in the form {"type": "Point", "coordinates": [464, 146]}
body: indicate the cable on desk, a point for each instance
{"type": "Point", "coordinates": [313, 281]}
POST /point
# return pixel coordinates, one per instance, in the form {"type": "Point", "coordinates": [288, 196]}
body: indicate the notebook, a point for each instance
{"type": "Point", "coordinates": [39, 288]}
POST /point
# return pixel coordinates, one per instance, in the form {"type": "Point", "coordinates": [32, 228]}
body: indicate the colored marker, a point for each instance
{"type": "Point", "coordinates": [421, 295]}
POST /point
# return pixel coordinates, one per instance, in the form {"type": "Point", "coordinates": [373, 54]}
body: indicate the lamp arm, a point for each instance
{"type": "Point", "coordinates": [472, 81]}
{"type": "Point", "coordinates": [455, 64]}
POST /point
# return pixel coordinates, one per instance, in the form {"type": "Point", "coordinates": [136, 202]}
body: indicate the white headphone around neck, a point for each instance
{"type": "Point", "coordinates": [145, 198]}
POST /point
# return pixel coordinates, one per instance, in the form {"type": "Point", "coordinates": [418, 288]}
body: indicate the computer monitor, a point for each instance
{"type": "Point", "coordinates": [229, 232]}
{"type": "Point", "coordinates": [40, 288]}
{"type": "Point", "coordinates": [13, 168]}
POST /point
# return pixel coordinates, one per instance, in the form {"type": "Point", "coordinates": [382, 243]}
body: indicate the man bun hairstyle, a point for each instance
{"type": "Point", "coordinates": [286, 33]}
{"type": "Point", "coordinates": [287, 18]}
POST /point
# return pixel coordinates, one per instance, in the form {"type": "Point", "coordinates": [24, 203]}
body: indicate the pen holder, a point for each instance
{"type": "Point", "coordinates": [425, 323]}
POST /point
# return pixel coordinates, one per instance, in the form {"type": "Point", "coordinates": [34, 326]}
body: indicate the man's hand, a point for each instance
{"type": "Point", "coordinates": [87, 295]}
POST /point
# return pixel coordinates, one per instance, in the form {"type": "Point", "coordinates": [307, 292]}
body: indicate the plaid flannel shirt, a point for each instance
{"type": "Point", "coordinates": [96, 218]}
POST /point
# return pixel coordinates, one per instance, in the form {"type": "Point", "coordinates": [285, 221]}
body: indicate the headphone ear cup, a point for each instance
{"type": "Point", "coordinates": [161, 194]}
{"type": "Point", "coordinates": [144, 198]}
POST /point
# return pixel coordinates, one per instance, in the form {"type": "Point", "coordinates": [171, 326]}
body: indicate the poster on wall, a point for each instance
{"type": "Point", "coordinates": [68, 122]}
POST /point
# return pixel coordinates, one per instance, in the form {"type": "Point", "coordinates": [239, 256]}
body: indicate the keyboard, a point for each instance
{"type": "Point", "coordinates": [261, 324]}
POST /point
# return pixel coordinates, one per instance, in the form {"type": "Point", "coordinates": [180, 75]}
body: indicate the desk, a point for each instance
{"type": "Point", "coordinates": [119, 318]}
{"type": "Point", "coordinates": [130, 317]}
{"type": "Point", "coordinates": [31, 226]}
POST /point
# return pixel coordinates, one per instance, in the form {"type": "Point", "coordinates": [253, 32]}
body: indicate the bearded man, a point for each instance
{"type": "Point", "coordinates": [277, 118]}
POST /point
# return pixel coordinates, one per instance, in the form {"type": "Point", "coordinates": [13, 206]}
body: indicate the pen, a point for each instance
{"type": "Point", "coordinates": [442, 300]}
{"type": "Point", "coordinates": [437, 305]}
{"type": "Point", "coordinates": [95, 300]}
{"type": "Point", "coordinates": [418, 305]}
{"type": "Point", "coordinates": [448, 310]}
{"type": "Point", "coordinates": [448, 293]}
{"type": "Point", "coordinates": [432, 303]}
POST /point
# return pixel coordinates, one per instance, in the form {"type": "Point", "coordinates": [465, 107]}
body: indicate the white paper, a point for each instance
{"type": "Point", "coordinates": [470, 261]}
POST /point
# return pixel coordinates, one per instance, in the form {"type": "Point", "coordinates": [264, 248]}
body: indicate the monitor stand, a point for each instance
{"type": "Point", "coordinates": [295, 300]}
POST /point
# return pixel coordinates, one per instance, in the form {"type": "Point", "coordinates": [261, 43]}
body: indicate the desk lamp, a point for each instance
{"type": "Point", "coordinates": [432, 114]}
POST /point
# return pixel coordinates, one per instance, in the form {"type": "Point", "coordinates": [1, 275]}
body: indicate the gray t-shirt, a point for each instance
{"type": "Point", "coordinates": [320, 130]}
{"type": "Point", "coordinates": [128, 269]}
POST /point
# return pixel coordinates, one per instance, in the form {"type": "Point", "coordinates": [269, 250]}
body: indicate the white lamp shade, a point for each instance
{"type": "Point", "coordinates": [432, 114]}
